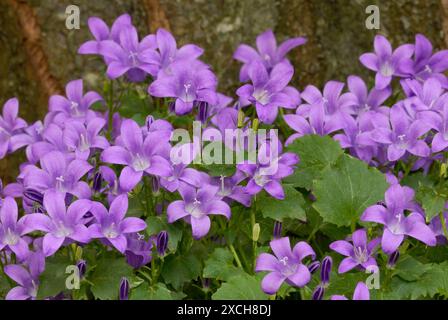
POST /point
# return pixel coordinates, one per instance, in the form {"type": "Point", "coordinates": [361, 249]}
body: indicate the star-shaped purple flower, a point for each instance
{"type": "Point", "coordinates": [359, 252]}
{"type": "Point", "coordinates": [10, 123]}
{"type": "Point", "coordinates": [286, 265]}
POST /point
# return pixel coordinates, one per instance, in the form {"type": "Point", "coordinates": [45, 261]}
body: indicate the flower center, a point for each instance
{"type": "Point", "coordinates": [402, 143]}
{"type": "Point", "coordinates": [74, 107]}
{"type": "Point", "coordinates": [60, 183]}
{"type": "Point", "coordinates": [139, 163]}
{"type": "Point", "coordinates": [262, 96]}
{"type": "Point", "coordinates": [83, 143]}
{"type": "Point", "coordinates": [195, 209]}
{"type": "Point", "coordinates": [133, 57]}
{"type": "Point", "coordinates": [11, 238]}
{"type": "Point", "coordinates": [386, 69]}
{"type": "Point", "coordinates": [287, 268]}
{"type": "Point", "coordinates": [188, 95]}
{"type": "Point", "coordinates": [360, 254]}
{"type": "Point", "coordinates": [260, 179]}
{"type": "Point", "coordinates": [111, 231]}
{"type": "Point", "coordinates": [62, 231]}
{"type": "Point", "coordinates": [428, 69]}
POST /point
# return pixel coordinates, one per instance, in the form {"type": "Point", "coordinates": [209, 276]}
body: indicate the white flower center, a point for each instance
{"type": "Point", "coordinates": [195, 208]}
{"type": "Point", "coordinates": [139, 163]}
{"type": "Point", "coordinates": [262, 96]}
{"type": "Point", "coordinates": [386, 69]}
{"type": "Point", "coordinates": [360, 254]}
{"type": "Point", "coordinates": [83, 143]}
{"type": "Point", "coordinates": [111, 231]}
{"type": "Point", "coordinates": [11, 238]}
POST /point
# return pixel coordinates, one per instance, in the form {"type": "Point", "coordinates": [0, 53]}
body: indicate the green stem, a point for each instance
{"type": "Point", "coordinates": [443, 222]}
{"type": "Point", "coordinates": [235, 255]}
{"type": "Point", "coordinates": [253, 221]}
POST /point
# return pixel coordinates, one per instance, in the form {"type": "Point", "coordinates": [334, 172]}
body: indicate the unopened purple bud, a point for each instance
{"type": "Point", "coordinates": [313, 266]}
{"type": "Point", "coordinates": [171, 106]}
{"type": "Point", "coordinates": [124, 289]}
{"type": "Point", "coordinates": [203, 111]}
{"type": "Point", "coordinates": [393, 258]}
{"type": "Point", "coordinates": [149, 122]}
{"type": "Point", "coordinates": [277, 229]}
{"type": "Point", "coordinates": [325, 271]}
{"type": "Point", "coordinates": [162, 242]}
{"type": "Point", "coordinates": [206, 283]}
{"type": "Point", "coordinates": [97, 182]}
{"type": "Point", "coordinates": [318, 293]}
{"type": "Point", "coordinates": [155, 185]}
{"type": "Point", "coordinates": [1, 186]}
{"type": "Point", "coordinates": [82, 266]}
{"type": "Point", "coordinates": [34, 196]}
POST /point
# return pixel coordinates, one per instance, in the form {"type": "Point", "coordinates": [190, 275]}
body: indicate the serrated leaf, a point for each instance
{"type": "Point", "coordinates": [431, 283]}
{"type": "Point", "coordinates": [107, 275]}
{"type": "Point", "coordinates": [347, 189]}
{"type": "Point", "coordinates": [146, 292]}
{"type": "Point", "coordinates": [53, 280]}
{"type": "Point", "coordinates": [431, 200]}
{"type": "Point", "coordinates": [181, 268]}
{"type": "Point", "coordinates": [290, 207]}
{"type": "Point", "coordinates": [157, 224]}
{"type": "Point", "coordinates": [241, 287]}
{"type": "Point", "coordinates": [316, 153]}
{"type": "Point", "coordinates": [410, 269]}
{"type": "Point", "coordinates": [220, 265]}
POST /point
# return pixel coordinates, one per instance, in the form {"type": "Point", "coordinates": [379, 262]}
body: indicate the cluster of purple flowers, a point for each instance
{"type": "Point", "coordinates": [82, 165]}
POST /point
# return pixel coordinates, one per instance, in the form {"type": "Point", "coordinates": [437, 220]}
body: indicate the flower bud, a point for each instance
{"type": "Point", "coordinates": [172, 107]}
{"type": "Point", "coordinates": [149, 121]}
{"type": "Point", "coordinates": [162, 243]}
{"type": "Point", "coordinates": [393, 258]}
{"type": "Point", "coordinates": [318, 293]}
{"type": "Point", "coordinates": [97, 182]}
{"type": "Point", "coordinates": [34, 196]}
{"type": "Point", "coordinates": [256, 232]}
{"type": "Point", "coordinates": [124, 289]}
{"type": "Point", "coordinates": [203, 111]}
{"type": "Point", "coordinates": [155, 185]}
{"type": "Point", "coordinates": [325, 271]}
{"type": "Point", "coordinates": [277, 229]}
{"type": "Point", "coordinates": [241, 117]}
{"type": "Point", "coordinates": [313, 266]}
{"type": "Point", "coordinates": [82, 267]}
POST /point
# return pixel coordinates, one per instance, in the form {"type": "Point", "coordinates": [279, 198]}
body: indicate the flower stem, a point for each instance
{"type": "Point", "coordinates": [235, 255]}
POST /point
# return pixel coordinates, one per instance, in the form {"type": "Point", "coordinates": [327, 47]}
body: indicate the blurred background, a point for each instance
{"type": "Point", "coordinates": [38, 53]}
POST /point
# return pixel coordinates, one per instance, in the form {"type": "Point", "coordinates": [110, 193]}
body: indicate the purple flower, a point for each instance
{"type": "Point", "coordinates": [438, 120]}
{"type": "Point", "coordinates": [387, 63]}
{"type": "Point", "coordinates": [169, 53]}
{"type": "Point", "coordinates": [52, 140]}
{"type": "Point", "coordinates": [269, 171]}
{"type": "Point", "coordinates": [230, 190]}
{"type": "Point", "coordinates": [27, 277]}
{"type": "Point", "coordinates": [61, 224]}
{"type": "Point", "coordinates": [60, 174]}
{"type": "Point", "coordinates": [100, 31]}
{"type": "Point", "coordinates": [396, 224]}
{"type": "Point", "coordinates": [268, 53]}
{"type": "Point", "coordinates": [162, 243]}
{"type": "Point", "coordinates": [195, 207]}
{"type": "Point", "coordinates": [268, 92]}
{"type": "Point", "coordinates": [76, 105]}
{"type": "Point", "coordinates": [10, 123]}
{"type": "Point", "coordinates": [12, 229]}
{"type": "Point", "coordinates": [362, 100]}
{"type": "Point", "coordinates": [325, 271]}
{"type": "Point", "coordinates": [286, 265]}
{"type": "Point", "coordinates": [187, 82]}
{"type": "Point", "coordinates": [428, 95]}
{"type": "Point", "coordinates": [138, 251]}
{"type": "Point", "coordinates": [80, 138]}
{"type": "Point", "coordinates": [403, 136]}
{"type": "Point", "coordinates": [426, 65]}
{"type": "Point", "coordinates": [31, 135]}
{"type": "Point", "coordinates": [358, 253]}
{"type": "Point", "coordinates": [129, 56]}
{"type": "Point", "coordinates": [361, 293]}
{"type": "Point", "coordinates": [112, 226]}
{"type": "Point", "coordinates": [138, 155]}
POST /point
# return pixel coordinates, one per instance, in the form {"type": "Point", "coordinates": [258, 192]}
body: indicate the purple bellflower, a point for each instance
{"type": "Point", "coordinates": [387, 63]}
{"type": "Point", "coordinates": [358, 253]}
{"type": "Point", "coordinates": [112, 226]}
{"type": "Point", "coordinates": [195, 207]}
{"type": "Point", "coordinates": [269, 91]}
{"type": "Point", "coordinates": [139, 251]}
{"type": "Point", "coordinates": [61, 224]}
{"type": "Point", "coordinates": [396, 224]}
{"type": "Point", "coordinates": [268, 53]}
{"type": "Point", "coordinates": [138, 155]}
{"type": "Point", "coordinates": [286, 265]}
{"type": "Point", "coordinates": [10, 123]}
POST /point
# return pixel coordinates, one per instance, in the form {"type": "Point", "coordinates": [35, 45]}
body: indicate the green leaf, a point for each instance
{"type": "Point", "coordinates": [146, 292]}
{"type": "Point", "coordinates": [220, 265]}
{"type": "Point", "coordinates": [157, 224]}
{"type": "Point", "coordinates": [52, 280]}
{"type": "Point", "coordinates": [241, 287]}
{"type": "Point", "coordinates": [290, 207]}
{"type": "Point", "coordinates": [432, 200]}
{"type": "Point", "coordinates": [316, 153]}
{"type": "Point", "coordinates": [410, 269]}
{"type": "Point", "coordinates": [433, 282]}
{"type": "Point", "coordinates": [181, 268]}
{"type": "Point", "coordinates": [132, 104]}
{"type": "Point", "coordinates": [107, 275]}
{"type": "Point", "coordinates": [347, 189]}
